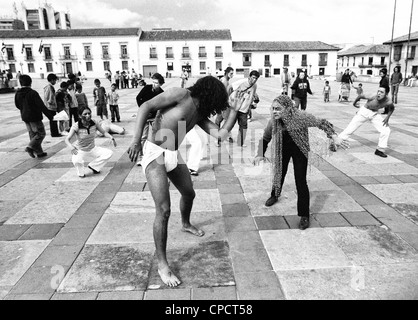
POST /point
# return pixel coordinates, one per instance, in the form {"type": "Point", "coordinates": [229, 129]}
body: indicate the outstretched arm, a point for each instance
{"type": "Point", "coordinates": [362, 96]}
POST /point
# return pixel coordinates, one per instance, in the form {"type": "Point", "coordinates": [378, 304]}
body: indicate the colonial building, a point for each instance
{"type": "Point", "coordinates": [269, 58]}
{"type": "Point", "coordinates": [406, 59]}
{"type": "Point", "coordinates": [364, 59]}
{"type": "Point", "coordinates": [200, 52]}
{"type": "Point", "coordinates": [89, 51]}
{"type": "Point", "coordinates": [92, 52]}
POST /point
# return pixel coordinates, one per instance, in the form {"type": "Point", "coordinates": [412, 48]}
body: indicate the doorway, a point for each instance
{"type": "Point", "coordinates": [69, 67]}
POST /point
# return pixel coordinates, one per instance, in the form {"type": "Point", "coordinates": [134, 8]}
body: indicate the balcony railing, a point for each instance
{"type": "Point", "coordinates": [48, 58]}
{"type": "Point", "coordinates": [68, 57]}
{"type": "Point", "coordinates": [286, 63]}
{"type": "Point", "coordinates": [29, 58]}
{"type": "Point", "coordinates": [153, 56]}
{"type": "Point", "coordinates": [124, 56]}
{"type": "Point", "coordinates": [185, 55]}
{"type": "Point", "coordinates": [267, 64]}
{"type": "Point", "coordinates": [11, 58]}
{"type": "Point", "coordinates": [88, 57]}
{"type": "Point", "coordinates": [379, 65]}
{"type": "Point", "coordinates": [203, 54]}
{"type": "Point", "coordinates": [323, 63]}
{"type": "Point", "coordinates": [106, 56]}
{"type": "Point", "coordinates": [365, 66]}
{"type": "Point", "coordinates": [169, 56]}
{"type": "Point", "coordinates": [304, 63]}
{"type": "Point", "coordinates": [219, 54]}
{"type": "Point", "coordinates": [246, 63]}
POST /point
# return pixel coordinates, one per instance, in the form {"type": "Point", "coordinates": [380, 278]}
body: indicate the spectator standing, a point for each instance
{"type": "Point", "coordinates": [81, 97]}
{"type": "Point", "coordinates": [73, 102]}
{"type": "Point", "coordinates": [100, 99]}
{"type": "Point", "coordinates": [395, 81]}
{"type": "Point", "coordinates": [113, 98]}
{"type": "Point", "coordinates": [51, 103]}
{"type": "Point", "coordinates": [63, 104]}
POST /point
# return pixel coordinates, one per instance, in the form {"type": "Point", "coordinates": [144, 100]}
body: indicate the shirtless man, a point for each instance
{"type": "Point", "coordinates": [179, 110]}
{"type": "Point", "coordinates": [369, 112]}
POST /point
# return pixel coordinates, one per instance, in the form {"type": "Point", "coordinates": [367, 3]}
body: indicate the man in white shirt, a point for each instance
{"type": "Point", "coordinates": [249, 88]}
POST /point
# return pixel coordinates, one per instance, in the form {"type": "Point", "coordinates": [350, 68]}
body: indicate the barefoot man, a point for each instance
{"type": "Point", "coordinates": [179, 110]}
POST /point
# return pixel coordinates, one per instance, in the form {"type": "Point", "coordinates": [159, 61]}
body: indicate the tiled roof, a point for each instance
{"type": "Point", "coordinates": [414, 36]}
{"type": "Point", "coordinates": [167, 35]}
{"type": "Point", "coordinates": [362, 49]}
{"type": "Point", "coordinates": [108, 32]}
{"type": "Point", "coordinates": [282, 46]}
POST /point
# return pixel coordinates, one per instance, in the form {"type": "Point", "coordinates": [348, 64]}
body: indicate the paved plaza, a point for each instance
{"type": "Point", "coordinates": [62, 237]}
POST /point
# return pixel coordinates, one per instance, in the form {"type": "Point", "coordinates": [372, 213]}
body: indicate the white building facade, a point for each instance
{"type": "Point", "coordinates": [364, 60]}
{"type": "Point", "coordinates": [405, 54]}
{"type": "Point", "coordinates": [200, 52]}
{"type": "Point", "coordinates": [269, 58]}
{"type": "Point", "coordinates": [92, 52]}
{"type": "Point", "coordinates": [89, 51]}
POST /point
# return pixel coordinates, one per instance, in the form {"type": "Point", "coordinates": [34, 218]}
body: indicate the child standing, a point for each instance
{"type": "Point", "coordinates": [81, 96]}
{"type": "Point", "coordinates": [327, 91]}
{"type": "Point", "coordinates": [63, 104]}
{"type": "Point", "coordinates": [100, 100]}
{"type": "Point", "coordinates": [84, 147]}
{"type": "Point", "coordinates": [113, 98]}
{"type": "Point", "coordinates": [359, 89]}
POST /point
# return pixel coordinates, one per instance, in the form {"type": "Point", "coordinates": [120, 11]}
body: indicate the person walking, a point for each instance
{"type": "Point", "coordinates": [300, 89]}
{"type": "Point", "coordinates": [100, 99]}
{"type": "Point", "coordinates": [248, 89]}
{"type": "Point", "coordinates": [31, 109]}
{"type": "Point", "coordinates": [288, 128]}
{"type": "Point", "coordinates": [286, 80]}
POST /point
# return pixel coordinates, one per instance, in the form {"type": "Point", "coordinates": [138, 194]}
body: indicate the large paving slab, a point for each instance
{"type": "Point", "coordinates": [17, 257]}
{"type": "Point", "coordinates": [109, 268]}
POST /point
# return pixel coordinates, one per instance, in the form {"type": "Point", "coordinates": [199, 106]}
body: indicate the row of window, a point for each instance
{"type": "Point", "coordinates": [323, 60]}
{"type": "Point", "coordinates": [185, 54]}
{"type": "Point", "coordinates": [370, 62]}
{"type": "Point", "coordinates": [67, 52]}
{"type": "Point", "coordinates": [397, 53]}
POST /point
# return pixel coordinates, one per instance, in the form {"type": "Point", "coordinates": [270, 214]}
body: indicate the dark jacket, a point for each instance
{"type": "Point", "coordinates": [346, 78]}
{"type": "Point", "coordinates": [384, 83]}
{"type": "Point", "coordinates": [301, 88]}
{"type": "Point", "coordinates": [147, 94]}
{"type": "Point", "coordinates": [30, 105]}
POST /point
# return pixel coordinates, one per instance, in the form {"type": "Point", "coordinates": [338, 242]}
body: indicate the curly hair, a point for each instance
{"type": "Point", "coordinates": [212, 95]}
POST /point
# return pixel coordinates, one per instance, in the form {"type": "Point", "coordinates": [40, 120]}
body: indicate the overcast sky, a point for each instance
{"type": "Point", "coordinates": [330, 21]}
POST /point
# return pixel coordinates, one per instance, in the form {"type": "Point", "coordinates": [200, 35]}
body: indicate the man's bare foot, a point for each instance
{"type": "Point", "coordinates": [168, 277]}
{"type": "Point", "coordinates": [193, 230]}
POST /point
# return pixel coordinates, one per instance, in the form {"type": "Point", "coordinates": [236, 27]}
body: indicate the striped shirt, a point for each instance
{"type": "Point", "coordinates": [113, 98]}
{"type": "Point", "coordinates": [85, 135]}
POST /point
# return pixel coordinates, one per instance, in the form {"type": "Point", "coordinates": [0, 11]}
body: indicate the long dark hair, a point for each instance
{"type": "Point", "coordinates": [212, 95]}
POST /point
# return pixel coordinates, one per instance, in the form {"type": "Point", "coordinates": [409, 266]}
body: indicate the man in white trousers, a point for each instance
{"type": "Point", "coordinates": [198, 141]}
{"type": "Point", "coordinates": [369, 112]}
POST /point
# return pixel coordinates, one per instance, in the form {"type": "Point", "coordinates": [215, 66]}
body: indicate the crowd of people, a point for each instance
{"type": "Point", "coordinates": [168, 118]}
